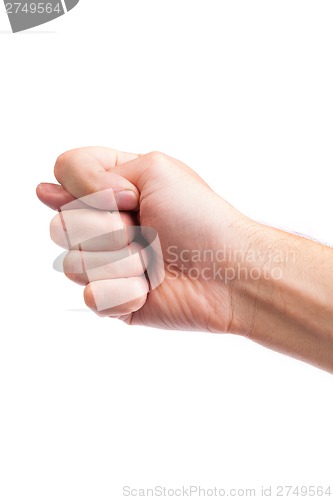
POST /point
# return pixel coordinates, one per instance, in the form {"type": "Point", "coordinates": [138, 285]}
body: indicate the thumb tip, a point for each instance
{"type": "Point", "coordinates": [127, 200]}
{"type": "Point", "coordinates": [52, 195]}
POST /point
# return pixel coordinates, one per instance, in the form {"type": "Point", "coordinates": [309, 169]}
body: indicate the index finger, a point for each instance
{"type": "Point", "coordinates": [89, 170]}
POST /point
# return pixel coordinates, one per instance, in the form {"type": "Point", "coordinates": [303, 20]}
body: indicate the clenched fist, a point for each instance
{"type": "Point", "coordinates": [154, 245]}
{"type": "Point", "coordinates": [107, 255]}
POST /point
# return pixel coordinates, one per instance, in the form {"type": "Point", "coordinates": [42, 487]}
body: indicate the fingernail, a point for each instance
{"type": "Point", "coordinates": [48, 187]}
{"type": "Point", "coordinates": [126, 200]}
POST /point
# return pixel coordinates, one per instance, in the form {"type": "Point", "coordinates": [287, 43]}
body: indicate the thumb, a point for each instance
{"type": "Point", "coordinates": [56, 197]}
{"type": "Point", "coordinates": [53, 195]}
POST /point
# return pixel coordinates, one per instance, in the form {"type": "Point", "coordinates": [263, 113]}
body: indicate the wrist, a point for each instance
{"type": "Point", "coordinates": [242, 260]}
{"type": "Point", "coordinates": [257, 263]}
{"type": "Point", "coordinates": [282, 297]}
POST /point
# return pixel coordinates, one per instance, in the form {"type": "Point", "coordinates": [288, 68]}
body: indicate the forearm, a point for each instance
{"type": "Point", "coordinates": [287, 302]}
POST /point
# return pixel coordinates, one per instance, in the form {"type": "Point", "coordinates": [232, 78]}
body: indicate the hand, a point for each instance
{"type": "Point", "coordinates": [223, 272]}
{"type": "Point", "coordinates": [193, 223]}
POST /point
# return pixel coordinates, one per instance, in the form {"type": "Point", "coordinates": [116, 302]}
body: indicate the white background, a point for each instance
{"type": "Point", "coordinates": [242, 92]}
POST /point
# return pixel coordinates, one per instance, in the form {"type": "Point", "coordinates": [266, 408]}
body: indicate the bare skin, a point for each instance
{"type": "Point", "coordinates": [270, 286]}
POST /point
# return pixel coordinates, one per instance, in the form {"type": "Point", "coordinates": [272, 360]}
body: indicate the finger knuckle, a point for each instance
{"type": "Point", "coordinates": [156, 158]}
{"type": "Point", "coordinates": [62, 161]}
{"type": "Point", "coordinates": [55, 228]}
